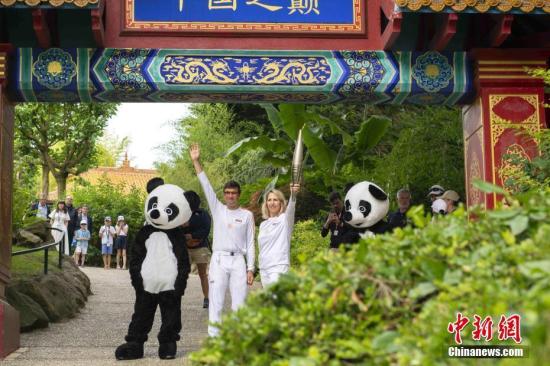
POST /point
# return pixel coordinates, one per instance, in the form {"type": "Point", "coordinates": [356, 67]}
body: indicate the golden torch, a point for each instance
{"type": "Point", "coordinates": [298, 160]}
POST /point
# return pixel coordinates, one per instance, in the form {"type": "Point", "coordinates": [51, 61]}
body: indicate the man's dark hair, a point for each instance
{"type": "Point", "coordinates": [334, 196]}
{"type": "Point", "coordinates": [232, 184]}
{"type": "Point", "coordinates": [193, 199]}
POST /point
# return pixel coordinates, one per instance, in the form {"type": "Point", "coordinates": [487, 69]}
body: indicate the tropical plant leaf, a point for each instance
{"type": "Point", "coordinates": [249, 143]}
{"type": "Point", "coordinates": [370, 132]}
{"type": "Point", "coordinates": [488, 187]}
{"type": "Point", "coordinates": [334, 127]}
{"type": "Point", "coordinates": [293, 117]}
{"type": "Point", "coordinates": [273, 116]}
{"type": "Point", "coordinates": [323, 156]}
{"type": "Point", "coordinates": [277, 162]}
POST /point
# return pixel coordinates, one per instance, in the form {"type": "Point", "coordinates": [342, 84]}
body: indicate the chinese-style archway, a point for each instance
{"type": "Point", "coordinates": [473, 53]}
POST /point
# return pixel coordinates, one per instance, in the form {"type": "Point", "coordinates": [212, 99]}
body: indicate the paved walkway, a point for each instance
{"type": "Point", "coordinates": [92, 336]}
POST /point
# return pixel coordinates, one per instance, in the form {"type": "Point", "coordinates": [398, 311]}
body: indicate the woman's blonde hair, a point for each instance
{"type": "Point", "coordinates": [280, 196]}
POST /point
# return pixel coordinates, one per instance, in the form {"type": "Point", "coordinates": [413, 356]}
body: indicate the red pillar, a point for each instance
{"type": "Point", "coordinates": [508, 101]}
{"type": "Point", "coordinates": [9, 317]}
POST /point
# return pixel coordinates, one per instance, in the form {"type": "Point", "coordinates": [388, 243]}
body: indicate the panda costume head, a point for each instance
{"type": "Point", "coordinates": [166, 206]}
{"type": "Point", "coordinates": [366, 205]}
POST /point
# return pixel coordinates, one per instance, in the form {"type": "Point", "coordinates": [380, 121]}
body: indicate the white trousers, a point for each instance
{"type": "Point", "coordinates": [225, 271]}
{"type": "Point", "coordinates": [271, 275]}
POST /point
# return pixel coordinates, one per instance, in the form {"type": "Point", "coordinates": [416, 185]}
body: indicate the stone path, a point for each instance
{"type": "Point", "coordinates": [92, 336]}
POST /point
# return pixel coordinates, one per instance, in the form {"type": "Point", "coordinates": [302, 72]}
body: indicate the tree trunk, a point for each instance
{"type": "Point", "coordinates": [61, 180]}
{"type": "Point", "coordinates": [45, 189]}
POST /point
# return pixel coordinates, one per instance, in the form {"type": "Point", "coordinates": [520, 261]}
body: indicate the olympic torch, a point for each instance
{"type": "Point", "coordinates": [298, 159]}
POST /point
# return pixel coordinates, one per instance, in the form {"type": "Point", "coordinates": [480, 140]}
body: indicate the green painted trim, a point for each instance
{"type": "Point", "coordinates": [405, 79]}
{"type": "Point", "coordinates": [83, 75]}
{"type": "Point", "coordinates": [459, 60]}
{"type": "Point", "coordinates": [25, 76]}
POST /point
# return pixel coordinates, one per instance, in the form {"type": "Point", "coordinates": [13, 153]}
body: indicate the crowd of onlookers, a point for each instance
{"type": "Point", "coordinates": [441, 202]}
{"type": "Point", "coordinates": [75, 225]}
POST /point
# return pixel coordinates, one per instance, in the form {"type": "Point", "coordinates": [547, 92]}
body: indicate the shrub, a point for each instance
{"type": "Point", "coordinates": [306, 242]}
{"type": "Point", "coordinates": [108, 199]}
{"type": "Point", "coordinates": [389, 300]}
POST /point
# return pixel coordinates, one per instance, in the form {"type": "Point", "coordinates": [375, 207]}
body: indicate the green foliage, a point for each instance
{"type": "Point", "coordinates": [524, 174]}
{"type": "Point", "coordinates": [306, 243]}
{"type": "Point", "coordinates": [389, 300]}
{"type": "Point", "coordinates": [32, 264]}
{"type": "Point", "coordinates": [62, 136]}
{"type": "Point", "coordinates": [108, 199]}
{"type": "Point", "coordinates": [110, 149]}
{"type": "Point", "coordinates": [20, 211]}
{"type": "Point", "coordinates": [214, 128]}
{"type": "Point", "coordinates": [429, 152]}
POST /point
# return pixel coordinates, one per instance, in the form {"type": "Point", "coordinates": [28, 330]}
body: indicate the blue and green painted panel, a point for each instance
{"type": "Point", "coordinates": [170, 75]}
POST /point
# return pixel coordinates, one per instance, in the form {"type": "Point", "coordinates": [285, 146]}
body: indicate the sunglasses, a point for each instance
{"type": "Point", "coordinates": [231, 192]}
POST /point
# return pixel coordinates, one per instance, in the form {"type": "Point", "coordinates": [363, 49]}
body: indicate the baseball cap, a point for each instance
{"type": "Point", "coordinates": [107, 218]}
{"type": "Point", "coordinates": [120, 218]}
{"type": "Point", "coordinates": [436, 190]}
{"type": "Point", "coordinates": [450, 195]}
{"type": "Point", "coordinates": [439, 206]}
{"type": "Point", "coordinates": [83, 222]}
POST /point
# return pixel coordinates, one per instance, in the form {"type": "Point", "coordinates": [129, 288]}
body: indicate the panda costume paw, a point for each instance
{"type": "Point", "coordinates": [129, 351]}
{"type": "Point", "coordinates": [167, 351]}
{"type": "Point", "coordinates": [159, 268]}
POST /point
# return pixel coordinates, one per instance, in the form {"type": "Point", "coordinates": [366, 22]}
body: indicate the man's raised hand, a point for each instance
{"type": "Point", "coordinates": [194, 152]}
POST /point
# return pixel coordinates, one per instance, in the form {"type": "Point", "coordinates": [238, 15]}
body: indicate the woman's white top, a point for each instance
{"type": "Point", "coordinates": [274, 237]}
{"type": "Point", "coordinates": [233, 229]}
{"type": "Point", "coordinates": [59, 219]}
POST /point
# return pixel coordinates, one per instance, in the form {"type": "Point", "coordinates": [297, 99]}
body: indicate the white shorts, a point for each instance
{"type": "Point", "coordinates": [81, 248]}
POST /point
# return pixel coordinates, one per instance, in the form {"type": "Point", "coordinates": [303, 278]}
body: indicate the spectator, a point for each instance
{"type": "Point", "coordinates": [121, 243]}
{"type": "Point", "coordinates": [106, 234]}
{"type": "Point", "coordinates": [435, 191]}
{"type": "Point", "coordinates": [41, 208]}
{"type": "Point", "coordinates": [196, 232]}
{"type": "Point", "coordinates": [84, 216]}
{"type": "Point", "coordinates": [73, 217]}
{"type": "Point", "coordinates": [451, 198]}
{"type": "Point", "coordinates": [399, 217]}
{"type": "Point", "coordinates": [59, 219]}
{"type": "Point", "coordinates": [82, 237]}
{"type": "Point", "coordinates": [335, 223]}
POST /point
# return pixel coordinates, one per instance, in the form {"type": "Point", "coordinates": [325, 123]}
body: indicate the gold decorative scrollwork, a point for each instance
{"type": "Point", "coordinates": [482, 6]}
{"type": "Point", "coordinates": [54, 3]}
{"type": "Point", "coordinates": [474, 173]}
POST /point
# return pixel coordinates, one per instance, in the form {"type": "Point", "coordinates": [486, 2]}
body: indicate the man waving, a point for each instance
{"type": "Point", "coordinates": [233, 241]}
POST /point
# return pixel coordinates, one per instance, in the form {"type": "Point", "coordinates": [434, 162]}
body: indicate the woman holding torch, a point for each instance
{"type": "Point", "coordinates": [276, 229]}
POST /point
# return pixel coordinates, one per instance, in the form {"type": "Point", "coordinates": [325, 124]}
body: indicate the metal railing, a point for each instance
{"type": "Point", "coordinates": [46, 248]}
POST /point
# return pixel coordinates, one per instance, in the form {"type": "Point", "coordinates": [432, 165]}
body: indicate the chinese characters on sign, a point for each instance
{"type": "Point", "coordinates": [295, 6]}
{"type": "Point", "coordinates": [508, 328]}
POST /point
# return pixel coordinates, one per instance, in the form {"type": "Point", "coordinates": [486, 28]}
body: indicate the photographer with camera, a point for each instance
{"type": "Point", "coordinates": [334, 223]}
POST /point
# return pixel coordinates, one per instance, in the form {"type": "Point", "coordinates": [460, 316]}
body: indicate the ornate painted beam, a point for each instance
{"type": "Point", "coordinates": [476, 6]}
{"type": "Point", "coordinates": [170, 75]}
{"type": "Point", "coordinates": [49, 3]}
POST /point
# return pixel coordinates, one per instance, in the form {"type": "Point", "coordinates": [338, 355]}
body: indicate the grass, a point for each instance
{"type": "Point", "coordinates": [32, 264]}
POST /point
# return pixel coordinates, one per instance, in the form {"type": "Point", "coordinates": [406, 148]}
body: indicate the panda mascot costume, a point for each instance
{"type": "Point", "coordinates": [159, 267]}
{"type": "Point", "coordinates": [366, 205]}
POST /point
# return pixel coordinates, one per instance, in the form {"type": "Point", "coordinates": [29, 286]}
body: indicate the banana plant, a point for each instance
{"type": "Point", "coordinates": [288, 119]}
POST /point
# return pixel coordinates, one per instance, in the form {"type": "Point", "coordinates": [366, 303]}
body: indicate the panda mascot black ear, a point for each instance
{"type": "Point", "coordinates": [377, 193]}
{"type": "Point", "coordinates": [154, 183]}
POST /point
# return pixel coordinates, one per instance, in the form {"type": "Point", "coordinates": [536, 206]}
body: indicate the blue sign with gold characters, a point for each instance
{"type": "Point", "coordinates": [245, 15]}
